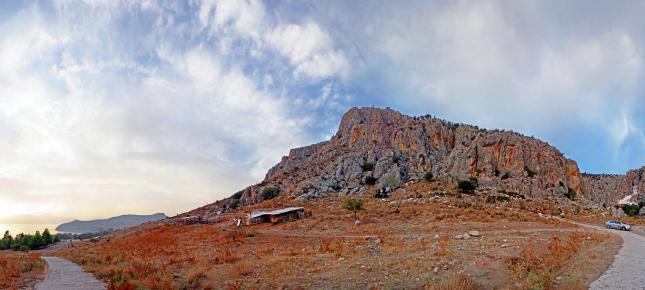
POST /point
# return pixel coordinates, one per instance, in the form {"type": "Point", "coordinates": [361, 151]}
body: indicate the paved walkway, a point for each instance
{"type": "Point", "coordinates": [65, 275]}
{"type": "Point", "coordinates": [628, 269]}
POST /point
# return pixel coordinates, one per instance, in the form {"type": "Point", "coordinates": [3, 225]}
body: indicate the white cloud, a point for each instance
{"type": "Point", "coordinates": [309, 49]}
{"type": "Point", "coordinates": [247, 17]}
{"type": "Point", "coordinates": [500, 66]}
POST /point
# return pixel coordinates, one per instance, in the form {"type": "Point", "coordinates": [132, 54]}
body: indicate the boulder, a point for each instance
{"type": "Point", "coordinates": [641, 213]}
{"type": "Point", "coordinates": [617, 212]}
{"type": "Point", "coordinates": [473, 233]}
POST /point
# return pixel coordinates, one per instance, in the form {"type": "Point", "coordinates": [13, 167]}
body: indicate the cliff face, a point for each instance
{"type": "Point", "coordinates": [388, 148]}
{"type": "Point", "coordinates": [609, 189]}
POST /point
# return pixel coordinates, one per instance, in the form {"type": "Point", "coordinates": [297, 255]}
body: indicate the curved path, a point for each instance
{"type": "Point", "coordinates": [65, 275]}
{"type": "Point", "coordinates": [628, 269]}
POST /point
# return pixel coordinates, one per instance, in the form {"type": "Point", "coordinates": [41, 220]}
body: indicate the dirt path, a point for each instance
{"type": "Point", "coordinates": [65, 275]}
{"type": "Point", "coordinates": [627, 270]}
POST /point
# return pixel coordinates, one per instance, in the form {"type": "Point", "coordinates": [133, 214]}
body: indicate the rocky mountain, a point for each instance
{"type": "Point", "coordinates": [113, 223]}
{"type": "Point", "coordinates": [609, 189]}
{"type": "Point", "coordinates": [376, 149]}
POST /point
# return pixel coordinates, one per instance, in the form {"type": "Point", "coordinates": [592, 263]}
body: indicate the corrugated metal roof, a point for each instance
{"type": "Point", "coordinates": [275, 212]}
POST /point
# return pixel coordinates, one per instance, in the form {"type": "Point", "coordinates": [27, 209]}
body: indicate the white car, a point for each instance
{"type": "Point", "coordinates": [618, 225]}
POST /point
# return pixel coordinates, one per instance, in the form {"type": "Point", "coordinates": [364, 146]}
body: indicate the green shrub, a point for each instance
{"type": "Point", "coordinates": [571, 194]}
{"type": "Point", "coordinates": [631, 209]}
{"type": "Point", "coordinates": [392, 181]}
{"type": "Point", "coordinates": [354, 205]}
{"type": "Point", "coordinates": [270, 192]}
{"type": "Point", "coordinates": [367, 166]}
{"type": "Point", "coordinates": [468, 186]}
{"type": "Point", "coordinates": [370, 180]}
{"type": "Point", "coordinates": [428, 176]}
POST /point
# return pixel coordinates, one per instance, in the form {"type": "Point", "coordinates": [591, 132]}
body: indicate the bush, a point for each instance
{"type": "Point", "coordinates": [234, 203]}
{"type": "Point", "coordinates": [370, 180]}
{"type": "Point", "coordinates": [468, 186]}
{"type": "Point", "coordinates": [571, 194]}
{"type": "Point", "coordinates": [428, 176]}
{"type": "Point", "coordinates": [631, 209]}
{"type": "Point", "coordinates": [354, 205]}
{"type": "Point", "coordinates": [367, 166]}
{"type": "Point", "coordinates": [270, 192]}
{"type": "Point", "coordinates": [392, 181]}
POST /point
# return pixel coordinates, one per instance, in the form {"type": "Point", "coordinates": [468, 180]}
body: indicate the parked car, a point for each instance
{"type": "Point", "coordinates": [618, 225]}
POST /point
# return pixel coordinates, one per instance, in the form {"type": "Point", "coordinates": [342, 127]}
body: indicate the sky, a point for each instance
{"type": "Point", "coordinates": [113, 107]}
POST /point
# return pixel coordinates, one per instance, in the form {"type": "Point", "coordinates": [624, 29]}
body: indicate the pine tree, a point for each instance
{"type": "Point", "coordinates": [37, 241]}
{"type": "Point", "coordinates": [6, 241]}
{"type": "Point", "coordinates": [47, 237]}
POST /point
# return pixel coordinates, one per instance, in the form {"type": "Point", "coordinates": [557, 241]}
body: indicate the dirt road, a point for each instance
{"type": "Point", "coordinates": [65, 275]}
{"type": "Point", "coordinates": [627, 270]}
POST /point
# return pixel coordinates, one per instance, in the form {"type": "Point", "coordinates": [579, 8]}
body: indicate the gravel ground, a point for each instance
{"type": "Point", "coordinates": [65, 275]}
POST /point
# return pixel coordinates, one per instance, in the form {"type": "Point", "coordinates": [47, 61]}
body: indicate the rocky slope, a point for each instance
{"type": "Point", "coordinates": [609, 189]}
{"type": "Point", "coordinates": [377, 149]}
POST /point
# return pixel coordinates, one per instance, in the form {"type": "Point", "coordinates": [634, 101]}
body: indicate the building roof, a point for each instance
{"type": "Point", "coordinates": [275, 212]}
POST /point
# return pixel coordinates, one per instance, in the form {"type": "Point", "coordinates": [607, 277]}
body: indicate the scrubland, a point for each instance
{"type": "Point", "coordinates": [20, 270]}
{"type": "Point", "coordinates": [405, 241]}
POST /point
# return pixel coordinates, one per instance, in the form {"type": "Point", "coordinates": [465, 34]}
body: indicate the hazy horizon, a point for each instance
{"type": "Point", "coordinates": [119, 107]}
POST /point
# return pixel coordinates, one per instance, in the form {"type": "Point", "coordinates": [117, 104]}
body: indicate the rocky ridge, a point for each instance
{"type": "Point", "coordinates": [379, 149]}
{"type": "Point", "coordinates": [608, 189]}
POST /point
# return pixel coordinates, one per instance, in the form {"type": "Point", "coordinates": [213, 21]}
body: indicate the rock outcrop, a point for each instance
{"type": "Point", "coordinates": [382, 148]}
{"type": "Point", "coordinates": [609, 189]}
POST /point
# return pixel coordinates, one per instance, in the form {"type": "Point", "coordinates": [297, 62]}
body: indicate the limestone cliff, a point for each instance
{"type": "Point", "coordinates": [385, 148]}
{"type": "Point", "coordinates": [609, 189]}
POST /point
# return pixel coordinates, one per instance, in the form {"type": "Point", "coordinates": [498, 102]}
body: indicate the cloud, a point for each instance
{"type": "Point", "coordinates": [103, 119]}
{"type": "Point", "coordinates": [309, 49]}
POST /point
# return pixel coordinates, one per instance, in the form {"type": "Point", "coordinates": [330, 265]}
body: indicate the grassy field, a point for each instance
{"type": "Point", "coordinates": [406, 241]}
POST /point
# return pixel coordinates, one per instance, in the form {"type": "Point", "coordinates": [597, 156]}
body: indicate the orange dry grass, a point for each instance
{"type": "Point", "coordinates": [400, 239]}
{"type": "Point", "coordinates": [15, 268]}
{"type": "Point", "coordinates": [166, 257]}
{"type": "Point", "coordinates": [538, 267]}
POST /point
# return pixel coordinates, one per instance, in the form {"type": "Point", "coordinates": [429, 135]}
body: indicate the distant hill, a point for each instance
{"type": "Point", "coordinates": [113, 223]}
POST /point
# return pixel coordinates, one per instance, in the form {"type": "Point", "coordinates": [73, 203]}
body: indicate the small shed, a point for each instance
{"type": "Point", "coordinates": [276, 216]}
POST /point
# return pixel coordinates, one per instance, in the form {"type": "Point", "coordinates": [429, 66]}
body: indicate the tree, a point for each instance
{"type": "Point", "coordinates": [47, 237]}
{"type": "Point", "coordinates": [354, 205]}
{"type": "Point", "coordinates": [6, 241]}
{"type": "Point", "coordinates": [36, 241]}
{"type": "Point", "coordinates": [631, 209]}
